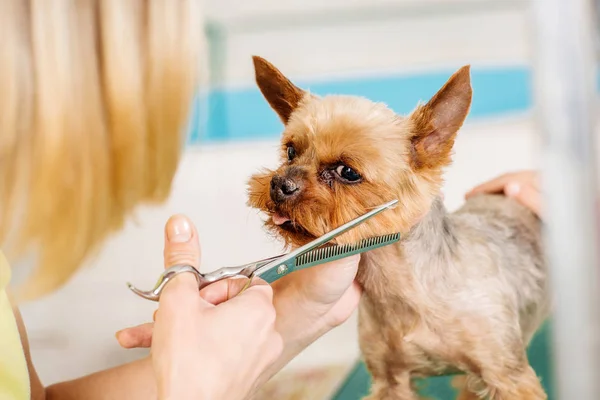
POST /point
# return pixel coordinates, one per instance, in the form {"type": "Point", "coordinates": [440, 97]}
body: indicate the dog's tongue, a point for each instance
{"type": "Point", "coordinates": [279, 219]}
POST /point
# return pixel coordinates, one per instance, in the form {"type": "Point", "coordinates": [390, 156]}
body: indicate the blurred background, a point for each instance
{"type": "Point", "coordinates": [396, 51]}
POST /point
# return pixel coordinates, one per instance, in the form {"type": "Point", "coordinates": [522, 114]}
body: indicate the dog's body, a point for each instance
{"type": "Point", "coordinates": [462, 291]}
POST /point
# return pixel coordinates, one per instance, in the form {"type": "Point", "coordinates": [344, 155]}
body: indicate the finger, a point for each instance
{"type": "Point", "coordinates": [224, 290]}
{"type": "Point", "coordinates": [181, 242]}
{"type": "Point", "coordinates": [181, 248]}
{"type": "Point", "coordinates": [495, 185]}
{"type": "Point", "coordinates": [527, 195]}
{"type": "Point", "coordinates": [259, 291]}
{"type": "Point", "coordinates": [137, 336]}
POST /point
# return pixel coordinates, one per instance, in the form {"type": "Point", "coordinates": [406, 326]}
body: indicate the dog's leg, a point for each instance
{"type": "Point", "coordinates": [503, 367]}
{"type": "Point", "coordinates": [511, 384]}
{"type": "Point", "coordinates": [466, 386]}
{"type": "Point", "coordinates": [466, 394]}
{"type": "Point", "coordinates": [398, 387]}
{"type": "Point", "coordinates": [498, 357]}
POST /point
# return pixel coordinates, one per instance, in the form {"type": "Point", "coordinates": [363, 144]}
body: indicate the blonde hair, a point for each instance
{"type": "Point", "coordinates": [94, 100]}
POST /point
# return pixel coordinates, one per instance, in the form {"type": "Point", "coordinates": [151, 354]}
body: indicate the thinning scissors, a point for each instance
{"type": "Point", "coordinates": [273, 268]}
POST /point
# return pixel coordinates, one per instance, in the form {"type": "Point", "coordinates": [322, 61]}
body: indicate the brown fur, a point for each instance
{"type": "Point", "coordinates": [281, 94]}
{"type": "Point", "coordinates": [462, 291]}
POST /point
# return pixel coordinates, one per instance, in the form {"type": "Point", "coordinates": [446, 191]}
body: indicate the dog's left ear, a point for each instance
{"type": "Point", "coordinates": [283, 96]}
{"type": "Point", "coordinates": [436, 123]}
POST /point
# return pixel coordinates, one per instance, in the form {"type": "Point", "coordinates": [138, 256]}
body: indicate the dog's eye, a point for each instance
{"type": "Point", "coordinates": [291, 153]}
{"type": "Point", "coordinates": [347, 173]}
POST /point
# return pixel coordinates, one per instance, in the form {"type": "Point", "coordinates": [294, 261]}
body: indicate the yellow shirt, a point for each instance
{"type": "Point", "coordinates": [14, 378]}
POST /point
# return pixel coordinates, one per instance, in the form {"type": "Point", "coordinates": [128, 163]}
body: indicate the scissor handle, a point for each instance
{"type": "Point", "coordinates": [204, 280]}
{"type": "Point", "coordinates": [164, 278]}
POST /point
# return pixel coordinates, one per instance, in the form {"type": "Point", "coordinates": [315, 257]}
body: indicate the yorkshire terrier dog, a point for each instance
{"type": "Point", "coordinates": [462, 292]}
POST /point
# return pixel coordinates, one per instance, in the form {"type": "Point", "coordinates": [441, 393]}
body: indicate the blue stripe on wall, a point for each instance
{"type": "Point", "coordinates": [243, 114]}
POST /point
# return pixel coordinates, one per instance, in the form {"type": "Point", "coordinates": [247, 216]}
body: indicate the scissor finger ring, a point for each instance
{"type": "Point", "coordinates": [165, 277]}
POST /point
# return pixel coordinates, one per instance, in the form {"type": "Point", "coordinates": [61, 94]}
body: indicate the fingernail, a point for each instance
{"type": "Point", "coordinates": [179, 229]}
{"type": "Point", "coordinates": [512, 189]}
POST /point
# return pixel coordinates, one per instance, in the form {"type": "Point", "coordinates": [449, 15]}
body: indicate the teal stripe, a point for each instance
{"type": "Point", "coordinates": [244, 115]}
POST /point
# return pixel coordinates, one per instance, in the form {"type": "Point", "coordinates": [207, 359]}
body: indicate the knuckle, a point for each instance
{"type": "Point", "coordinates": [261, 310]}
{"type": "Point", "coordinates": [258, 281]}
{"type": "Point", "coordinates": [263, 315]}
{"type": "Point", "coordinates": [180, 257]}
{"type": "Point", "coordinates": [261, 294]}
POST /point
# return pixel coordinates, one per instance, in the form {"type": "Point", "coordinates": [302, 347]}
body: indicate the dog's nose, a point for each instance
{"type": "Point", "coordinates": [283, 188]}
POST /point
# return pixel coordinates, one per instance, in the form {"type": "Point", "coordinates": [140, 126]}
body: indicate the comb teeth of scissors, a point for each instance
{"type": "Point", "coordinates": [335, 252]}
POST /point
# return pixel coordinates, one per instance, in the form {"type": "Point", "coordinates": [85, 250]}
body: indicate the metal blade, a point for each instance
{"type": "Point", "coordinates": [336, 252]}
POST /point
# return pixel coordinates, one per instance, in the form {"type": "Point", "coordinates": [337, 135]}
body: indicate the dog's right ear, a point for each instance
{"type": "Point", "coordinates": [283, 96]}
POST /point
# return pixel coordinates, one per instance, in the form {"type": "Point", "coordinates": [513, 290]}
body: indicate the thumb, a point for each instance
{"type": "Point", "coordinates": [181, 242]}
{"type": "Point", "coordinates": [527, 195]}
{"type": "Point", "coordinates": [181, 248]}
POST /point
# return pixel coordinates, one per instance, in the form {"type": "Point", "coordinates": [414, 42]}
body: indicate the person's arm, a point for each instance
{"type": "Point", "coordinates": [130, 381]}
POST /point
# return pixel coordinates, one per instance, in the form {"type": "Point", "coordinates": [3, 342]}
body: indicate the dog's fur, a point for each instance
{"type": "Point", "coordinates": [461, 292]}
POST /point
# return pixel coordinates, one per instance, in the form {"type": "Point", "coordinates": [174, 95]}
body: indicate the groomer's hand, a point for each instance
{"type": "Point", "coordinates": [213, 348]}
{"type": "Point", "coordinates": [309, 303]}
{"type": "Point", "coordinates": [324, 296]}
{"type": "Point", "coordinates": [523, 186]}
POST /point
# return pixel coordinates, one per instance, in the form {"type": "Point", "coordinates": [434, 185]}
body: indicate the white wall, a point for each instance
{"type": "Point", "coordinates": [323, 39]}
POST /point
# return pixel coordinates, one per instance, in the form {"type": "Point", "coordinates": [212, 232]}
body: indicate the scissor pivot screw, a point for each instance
{"type": "Point", "coordinates": [282, 269]}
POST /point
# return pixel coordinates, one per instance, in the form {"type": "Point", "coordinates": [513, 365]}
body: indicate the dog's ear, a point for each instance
{"type": "Point", "coordinates": [436, 123]}
{"type": "Point", "coordinates": [280, 92]}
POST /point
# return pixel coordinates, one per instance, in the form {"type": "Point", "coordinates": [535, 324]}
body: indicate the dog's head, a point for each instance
{"type": "Point", "coordinates": [343, 155]}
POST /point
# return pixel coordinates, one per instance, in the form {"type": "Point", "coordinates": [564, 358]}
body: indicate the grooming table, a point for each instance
{"type": "Point", "coordinates": [358, 382]}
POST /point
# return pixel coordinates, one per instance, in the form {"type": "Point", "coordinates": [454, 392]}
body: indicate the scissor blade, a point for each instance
{"type": "Point", "coordinates": [326, 254]}
{"type": "Point", "coordinates": [344, 228]}
{"type": "Point", "coordinates": [336, 252]}
{"type": "Point", "coordinates": [323, 239]}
